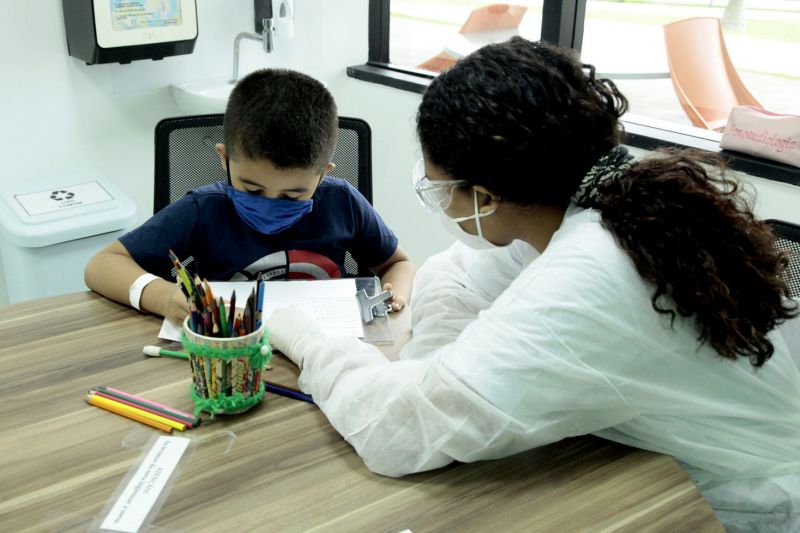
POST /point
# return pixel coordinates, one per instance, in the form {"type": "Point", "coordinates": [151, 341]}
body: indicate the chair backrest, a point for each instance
{"type": "Point", "coordinates": [186, 159]}
{"type": "Point", "coordinates": [705, 80]}
{"type": "Point", "coordinates": [788, 241]}
{"type": "Point", "coordinates": [494, 17]}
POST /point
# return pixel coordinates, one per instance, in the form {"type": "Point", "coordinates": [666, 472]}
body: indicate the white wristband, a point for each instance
{"type": "Point", "coordinates": [135, 292]}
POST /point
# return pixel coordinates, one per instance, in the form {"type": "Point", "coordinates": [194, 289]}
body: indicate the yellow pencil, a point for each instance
{"type": "Point", "coordinates": [135, 414]}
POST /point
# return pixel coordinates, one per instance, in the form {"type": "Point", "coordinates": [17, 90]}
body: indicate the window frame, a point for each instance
{"type": "Point", "coordinates": [562, 24]}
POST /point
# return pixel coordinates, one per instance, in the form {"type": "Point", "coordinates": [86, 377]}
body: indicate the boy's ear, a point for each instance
{"type": "Point", "coordinates": [220, 148]}
{"type": "Point", "coordinates": [329, 168]}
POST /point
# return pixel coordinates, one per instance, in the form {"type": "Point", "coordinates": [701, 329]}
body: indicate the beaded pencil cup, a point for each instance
{"type": "Point", "coordinates": [226, 371]}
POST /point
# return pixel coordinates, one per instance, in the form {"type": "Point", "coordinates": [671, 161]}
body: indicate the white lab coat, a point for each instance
{"type": "Point", "coordinates": [512, 351]}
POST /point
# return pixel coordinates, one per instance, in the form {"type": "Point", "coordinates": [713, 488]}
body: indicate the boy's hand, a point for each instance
{"type": "Point", "coordinates": [396, 302]}
{"type": "Point", "coordinates": [175, 307]}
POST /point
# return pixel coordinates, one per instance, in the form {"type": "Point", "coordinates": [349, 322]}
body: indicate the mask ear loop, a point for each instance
{"type": "Point", "coordinates": [228, 168]}
{"type": "Point", "coordinates": [476, 214]}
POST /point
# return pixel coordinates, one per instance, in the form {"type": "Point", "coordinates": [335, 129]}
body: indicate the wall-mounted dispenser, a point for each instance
{"type": "Point", "coordinates": [121, 31]}
{"type": "Point", "coordinates": [273, 18]}
{"type": "Point", "coordinates": [274, 26]}
{"type": "Point", "coordinates": [279, 12]}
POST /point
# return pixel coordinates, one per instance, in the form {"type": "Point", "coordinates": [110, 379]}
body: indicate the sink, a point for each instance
{"type": "Point", "coordinates": [202, 96]}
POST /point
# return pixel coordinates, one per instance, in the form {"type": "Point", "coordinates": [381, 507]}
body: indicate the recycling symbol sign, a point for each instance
{"type": "Point", "coordinates": [60, 195]}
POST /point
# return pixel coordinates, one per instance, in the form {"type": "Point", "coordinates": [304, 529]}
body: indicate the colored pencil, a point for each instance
{"type": "Point", "coordinates": [183, 276]}
{"type": "Point", "coordinates": [209, 294]}
{"type": "Point", "coordinates": [147, 405]}
{"type": "Point", "coordinates": [223, 319]}
{"type": "Point", "coordinates": [237, 324]}
{"type": "Point", "coordinates": [130, 396]}
{"type": "Point", "coordinates": [288, 392]}
{"type": "Point", "coordinates": [215, 322]}
{"type": "Point", "coordinates": [231, 314]}
{"type": "Point", "coordinates": [245, 326]}
{"type": "Point", "coordinates": [143, 407]}
{"type": "Point", "coordinates": [156, 351]}
{"type": "Point", "coordinates": [117, 408]}
{"type": "Point", "coordinates": [104, 401]}
{"type": "Point", "coordinates": [259, 304]}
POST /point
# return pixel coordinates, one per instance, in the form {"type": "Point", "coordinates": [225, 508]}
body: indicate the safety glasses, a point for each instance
{"type": "Point", "coordinates": [435, 195]}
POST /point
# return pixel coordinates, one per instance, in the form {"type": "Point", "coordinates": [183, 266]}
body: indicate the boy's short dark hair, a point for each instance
{"type": "Point", "coordinates": [283, 116]}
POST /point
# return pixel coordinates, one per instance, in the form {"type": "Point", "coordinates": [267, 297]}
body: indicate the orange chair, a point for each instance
{"type": "Point", "coordinates": [702, 73]}
{"type": "Point", "coordinates": [485, 18]}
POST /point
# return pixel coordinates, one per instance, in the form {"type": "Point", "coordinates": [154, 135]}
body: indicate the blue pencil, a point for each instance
{"type": "Point", "coordinates": [288, 392]}
{"type": "Point", "coordinates": [259, 303]}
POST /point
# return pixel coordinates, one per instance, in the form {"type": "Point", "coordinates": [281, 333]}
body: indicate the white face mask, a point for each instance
{"type": "Point", "coordinates": [477, 242]}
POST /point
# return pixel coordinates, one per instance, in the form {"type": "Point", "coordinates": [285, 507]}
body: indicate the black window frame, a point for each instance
{"type": "Point", "coordinates": [562, 24]}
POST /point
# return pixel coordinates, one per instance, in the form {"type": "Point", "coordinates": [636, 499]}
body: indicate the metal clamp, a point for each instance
{"type": "Point", "coordinates": [373, 306]}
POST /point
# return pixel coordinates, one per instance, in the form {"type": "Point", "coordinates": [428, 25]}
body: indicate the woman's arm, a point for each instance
{"type": "Point", "coordinates": [452, 287]}
{"type": "Point", "coordinates": [503, 386]}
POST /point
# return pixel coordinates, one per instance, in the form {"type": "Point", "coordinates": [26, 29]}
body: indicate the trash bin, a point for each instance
{"type": "Point", "coordinates": [49, 229]}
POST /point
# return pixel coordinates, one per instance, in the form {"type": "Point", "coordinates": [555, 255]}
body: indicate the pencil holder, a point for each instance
{"type": "Point", "coordinates": [226, 371]}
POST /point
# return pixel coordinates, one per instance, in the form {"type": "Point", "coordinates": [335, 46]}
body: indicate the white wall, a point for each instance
{"type": "Point", "coordinates": [60, 116]}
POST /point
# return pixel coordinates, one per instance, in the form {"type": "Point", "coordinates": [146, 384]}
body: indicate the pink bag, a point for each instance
{"type": "Point", "coordinates": [758, 132]}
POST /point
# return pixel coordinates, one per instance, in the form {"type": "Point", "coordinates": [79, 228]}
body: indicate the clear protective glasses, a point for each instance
{"type": "Point", "coordinates": [434, 195]}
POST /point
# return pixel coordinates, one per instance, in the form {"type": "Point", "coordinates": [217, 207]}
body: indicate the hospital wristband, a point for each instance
{"type": "Point", "coordinates": [137, 287]}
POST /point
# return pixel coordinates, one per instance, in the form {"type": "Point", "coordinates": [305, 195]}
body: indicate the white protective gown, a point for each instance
{"type": "Point", "coordinates": [512, 351]}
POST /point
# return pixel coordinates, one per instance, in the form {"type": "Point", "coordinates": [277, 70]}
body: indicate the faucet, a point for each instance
{"type": "Point", "coordinates": [265, 37]}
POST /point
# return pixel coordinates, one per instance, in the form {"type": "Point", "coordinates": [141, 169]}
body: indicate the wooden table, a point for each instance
{"type": "Point", "coordinates": [280, 466]}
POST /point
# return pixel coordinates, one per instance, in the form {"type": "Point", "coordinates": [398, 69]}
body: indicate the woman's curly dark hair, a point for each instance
{"type": "Point", "coordinates": [527, 120]}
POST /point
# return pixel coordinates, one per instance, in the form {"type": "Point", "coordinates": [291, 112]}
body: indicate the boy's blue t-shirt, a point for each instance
{"type": "Point", "coordinates": [204, 226]}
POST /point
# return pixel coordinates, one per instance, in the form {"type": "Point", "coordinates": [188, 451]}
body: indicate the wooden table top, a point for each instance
{"type": "Point", "coordinates": [280, 466]}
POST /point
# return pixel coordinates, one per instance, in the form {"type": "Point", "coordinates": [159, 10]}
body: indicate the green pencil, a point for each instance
{"type": "Point", "coordinates": [156, 351]}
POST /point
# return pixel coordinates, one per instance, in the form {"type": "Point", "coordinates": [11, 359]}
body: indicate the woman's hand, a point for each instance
{"type": "Point", "coordinates": [288, 328]}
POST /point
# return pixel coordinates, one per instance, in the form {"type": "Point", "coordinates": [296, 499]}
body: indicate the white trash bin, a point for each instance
{"type": "Point", "coordinates": [49, 229]}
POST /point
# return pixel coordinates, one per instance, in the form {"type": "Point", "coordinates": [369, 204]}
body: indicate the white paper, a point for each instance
{"type": "Point", "coordinates": [138, 497]}
{"type": "Point", "coordinates": [331, 302]}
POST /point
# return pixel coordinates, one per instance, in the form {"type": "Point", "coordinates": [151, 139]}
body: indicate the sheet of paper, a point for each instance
{"type": "Point", "coordinates": [171, 331]}
{"type": "Point", "coordinates": [332, 303]}
{"type": "Point", "coordinates": [142, 491]}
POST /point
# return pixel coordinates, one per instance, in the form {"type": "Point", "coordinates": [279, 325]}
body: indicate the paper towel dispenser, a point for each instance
{"type": "Point", "coordinates": [121, 31]}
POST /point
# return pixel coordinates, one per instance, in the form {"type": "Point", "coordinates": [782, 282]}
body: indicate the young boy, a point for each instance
{"type": "Point", "coordinates": [279, 216]}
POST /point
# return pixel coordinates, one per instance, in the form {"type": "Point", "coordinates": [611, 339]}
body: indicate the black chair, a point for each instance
{"type": "Point", "coordinates": [186, 159]}
{"type": "Point", "coordinates": [788, 241]}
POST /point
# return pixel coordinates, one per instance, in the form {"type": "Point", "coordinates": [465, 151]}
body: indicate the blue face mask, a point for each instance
{"type": "Point", "coordinates": [268, 215]}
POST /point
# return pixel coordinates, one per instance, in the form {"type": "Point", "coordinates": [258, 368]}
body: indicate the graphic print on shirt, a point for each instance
{"type": "Point", "coordinates": [291, 264]}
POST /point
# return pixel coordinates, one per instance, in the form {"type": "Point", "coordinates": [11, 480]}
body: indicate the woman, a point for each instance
{"type": "Point", "coordinates": [647, 319]}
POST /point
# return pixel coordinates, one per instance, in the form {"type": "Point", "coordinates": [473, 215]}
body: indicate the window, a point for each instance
{"type": "Point", "coordinates": [405, 34]}
{"type": "Point", "coordinates": [625, 41]}
{"type": "Point", "coordinates": [432, 36]}
{"type": "Point", "coordinates": [718, 51]}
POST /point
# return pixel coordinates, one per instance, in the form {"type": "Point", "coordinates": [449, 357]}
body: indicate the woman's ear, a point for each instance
{"type": "Point", "coordinates": [487, 201]}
